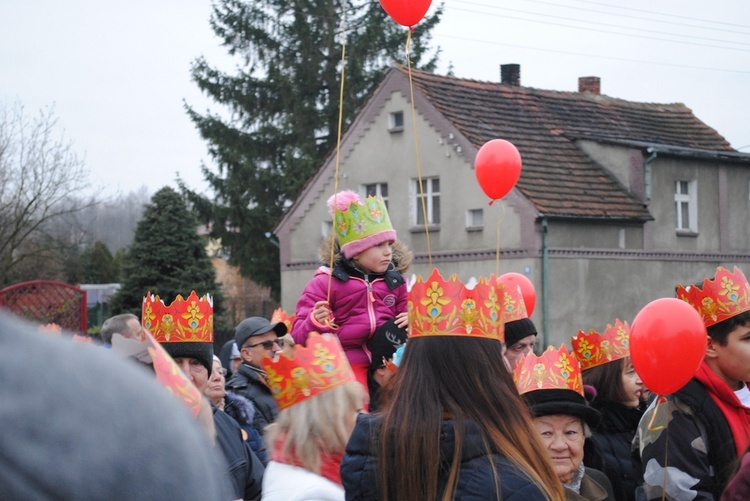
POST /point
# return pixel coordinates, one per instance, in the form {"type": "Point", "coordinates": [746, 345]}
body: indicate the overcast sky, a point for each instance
{"type": "Point", "coordinates": [117, 73]}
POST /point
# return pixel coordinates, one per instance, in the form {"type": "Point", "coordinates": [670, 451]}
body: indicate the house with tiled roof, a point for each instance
{"type": "Point", "coordinates": [617, 202]}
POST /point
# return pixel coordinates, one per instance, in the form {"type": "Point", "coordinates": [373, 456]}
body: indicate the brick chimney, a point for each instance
{"type": "Point", "coordinates": [589, 84]}
{"type": "Point", "coordinates": [510, 74]}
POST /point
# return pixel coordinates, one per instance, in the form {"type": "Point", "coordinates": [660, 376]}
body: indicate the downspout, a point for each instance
{"type": "Point", "coordinates": [647, 171]}
{"type": "Point", "coordinates": [545, 284]}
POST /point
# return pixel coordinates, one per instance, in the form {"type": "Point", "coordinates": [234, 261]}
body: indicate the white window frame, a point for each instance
{"type": "Point", "coordinates": [394, 118]}
{"type": "Point", "coordinates": [432, 198]}
{"type": "Point", "coordinates": [380, 188]}
{"type": "Point", "coordinates": [471, 217]}
{"type": "Point", "coordinates": [689, 199]}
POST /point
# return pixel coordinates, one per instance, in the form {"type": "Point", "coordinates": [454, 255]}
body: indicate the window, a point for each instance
{"type": "Point", "coordinates": [475, 219]}
{"type": "Point", "coordinates": [686, 206]}
{"type": "Point", "coordinates": [379, 190]}
{"type": "Point", "coordinates": [431, 190]}
{"type": "Point", "coordinates": [396, 121]}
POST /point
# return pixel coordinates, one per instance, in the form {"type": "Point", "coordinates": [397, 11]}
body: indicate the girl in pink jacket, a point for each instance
{"type": "Point", "coordinates": [367, 287]}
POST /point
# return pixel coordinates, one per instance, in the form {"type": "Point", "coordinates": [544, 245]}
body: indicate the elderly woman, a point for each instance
{"type": "Point", "coordinates": [552, 388]}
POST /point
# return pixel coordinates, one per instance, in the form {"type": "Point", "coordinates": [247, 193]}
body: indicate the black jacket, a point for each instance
{"type": "Point", "coordinates": [245, 469]}
{"type": "Point", "coordinates": [476, 481]}
{"type": "Point", "coordinates": [248, 383]}
{"type": "Point", "coordinates": [614, 438]}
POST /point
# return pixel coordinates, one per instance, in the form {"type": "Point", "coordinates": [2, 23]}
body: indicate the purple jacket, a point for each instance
{"type": "Point", "coordinates": [360, 304]}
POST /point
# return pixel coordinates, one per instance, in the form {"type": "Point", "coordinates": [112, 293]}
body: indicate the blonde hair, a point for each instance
{"type": "Point", "coordinates": [317, 426]}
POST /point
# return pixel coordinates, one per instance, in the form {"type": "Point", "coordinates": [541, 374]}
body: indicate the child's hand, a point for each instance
{"type": "Point", "coordinates": [402, 320]}
{"type": "Point", "coordinates": [321, 312]}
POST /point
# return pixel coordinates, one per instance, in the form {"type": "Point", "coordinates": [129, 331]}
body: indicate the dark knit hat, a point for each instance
{"type": "Point", "coordinates": [203, 352]}
{"type": "Point", "coordinates": [518, 329]}
{"type": "Point", "coordinates": [558, 401]}
{"type": "Point", "coordinates": [255, 326]}
{"type": "Point", "coordinates": [384, 343]}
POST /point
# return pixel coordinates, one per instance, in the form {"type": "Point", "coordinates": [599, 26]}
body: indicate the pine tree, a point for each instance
{"type": "Point", "coordinates": [167, 257]}
{"type": "Point", "coordinates": [283, 102]}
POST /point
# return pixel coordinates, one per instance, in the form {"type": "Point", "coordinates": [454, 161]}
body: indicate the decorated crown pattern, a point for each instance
{"type": "Point", "coordinates": [595, 349]}
{"type": "Point", "coordinates": [315, 368]}
{"type": "Point", "coordinates": [359, 221]}
{"type": "Point", "coordinates": [513, 306]}
{"type": "Point", "coordinates": [555, 369]}
{"type": "Point", "coordinates": [279, 315]}
{"type": "Point", "coordinates": [439, 307]}
{"type": "Point", "coordinates": [185, 320]}
{"type": "Point", "coordinates": [720, 298]}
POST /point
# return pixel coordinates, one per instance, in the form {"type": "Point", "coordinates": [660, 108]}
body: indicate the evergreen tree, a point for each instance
{"type": "Point", "coordinates": [283, 104]}
{"type": "Point", "coordinates": [98, 265]}
{"type": "Point", "coordinates": [167, 257]}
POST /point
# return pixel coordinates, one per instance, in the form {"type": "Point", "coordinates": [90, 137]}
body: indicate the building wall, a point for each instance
{"type": "Point", "coordinates": [381, 156]}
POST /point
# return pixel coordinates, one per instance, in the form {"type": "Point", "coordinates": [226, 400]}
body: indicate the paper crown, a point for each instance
{"type": "Point", "coordinates": [185, 320]}
{"type": "Point", "coordinates": [555, 369]}
{"type": "Point", "coordinates": [314, 369]}
{"type": "Point", "coordinates": [279, 315]}
{"type": "Point", "coordinates": [720, 298]}
{"type": "Point", "coordinates": [357, 226]}
{"type": "Point", "coordinates": [594, 349]}
{"type": "Point", "coordinates": [513, 306]}
{"type": "Point", "coordinates": [439, 307]}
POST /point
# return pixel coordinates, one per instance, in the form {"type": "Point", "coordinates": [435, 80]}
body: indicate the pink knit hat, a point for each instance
{"type": "Point", "coordinates": [359, 226]}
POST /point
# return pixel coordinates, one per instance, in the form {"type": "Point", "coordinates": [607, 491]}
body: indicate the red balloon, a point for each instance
{"type": "Point", "coordinates": [497, 167]}
{"type": "Point", "coordinates": [527, 288]}
{"type": "Point", "coordinates": [667, 344]}
{"type": "Point", "coordinates": [406, 12]}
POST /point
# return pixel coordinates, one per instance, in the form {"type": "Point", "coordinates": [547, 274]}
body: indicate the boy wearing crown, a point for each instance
{"type": "Point", "coordinates": [690, 444]}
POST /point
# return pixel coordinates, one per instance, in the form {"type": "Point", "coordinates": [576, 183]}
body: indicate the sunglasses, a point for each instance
{"type": "Point", "coordinates": [267, 345]}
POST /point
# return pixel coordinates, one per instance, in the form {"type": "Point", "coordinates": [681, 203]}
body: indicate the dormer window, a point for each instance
{"type": "Point", "coordinates": [396, 121]}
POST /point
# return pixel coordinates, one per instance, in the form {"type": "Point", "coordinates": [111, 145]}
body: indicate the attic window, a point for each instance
{"type": "Point", "coordinates": [474, 219]}
{"type": "Point", "coordinates": [396, 121]}
{"type": "Point", "coordinates": [686, 206]}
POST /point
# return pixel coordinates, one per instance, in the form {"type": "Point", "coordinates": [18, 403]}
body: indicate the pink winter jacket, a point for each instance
{"type": "Point", "coordinates": [359, 306]}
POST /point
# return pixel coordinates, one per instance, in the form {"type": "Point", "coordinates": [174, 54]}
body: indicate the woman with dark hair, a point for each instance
{"type": "Point", "coordinates": [452, 423]}
{"type": "Point", "coordinates": [552, 388]}
{"type": "Point", "coordinates": [605, 362]}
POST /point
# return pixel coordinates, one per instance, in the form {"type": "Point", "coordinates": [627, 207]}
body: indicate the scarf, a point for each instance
{"type": "Point", "coordinates": [329, 463]}
{"type": "Point", "coordinates": [737, 415]}
{"type": "Point", "coordinates": [575, 482]}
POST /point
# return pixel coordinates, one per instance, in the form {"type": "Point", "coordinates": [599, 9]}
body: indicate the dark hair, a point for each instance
{"type": "Point", "coordinates": [459, 378]}
{"type": "Point", "coordinates": [720, 331]}
{"type": "Point", "coordinates": [607, 380]}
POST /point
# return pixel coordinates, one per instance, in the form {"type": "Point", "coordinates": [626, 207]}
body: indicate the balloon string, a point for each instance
{"type": "Point", "coordinates": [660, 400]}
{"type": "Point", "coordinates": [497, 247]}
{"type": "Point", "coordinates": [329, 320]}
{"type": "Point", "coordinates": [416, 145]}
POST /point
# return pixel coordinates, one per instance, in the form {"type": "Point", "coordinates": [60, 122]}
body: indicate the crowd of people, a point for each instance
{"type": "Point", "coordinates": [373, 391]}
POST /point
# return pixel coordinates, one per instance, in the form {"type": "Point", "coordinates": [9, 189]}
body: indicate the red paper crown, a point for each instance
{"type": "Point", "coordinates": [315, 368]}
{"type": "Point", "coordinates": [720, 298]}
{"type": "Point", "coordinates": [513, 307]}
{"type": "Point", "coordinates": [282, 316]}
{"type": "Point", "coordinates": [439, 307]}
{"type": "Point", "coordinates": [185, 320]}
{"type": "Point", "coordinates": [553, 370]}
{"type": "Point", "coordinates": [594, 349]}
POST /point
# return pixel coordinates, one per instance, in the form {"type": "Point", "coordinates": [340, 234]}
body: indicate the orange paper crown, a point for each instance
{"type": "Point", "coordinates": [553, 370]}
{"type": "Point", "coordinates": [282, 316]}
{"type": "Point", "coordinates": [594, 349]}
{"type": "Point", "coordinates": [513, 307]}
{"type": "Point", "coordinates": [720, 298]}
{"type": "Point", "coordinates": [439, 307]}
{"type": "Point", "coordinates": [185, 320]}
{"type": "Point", "coordinates": [316, 368]}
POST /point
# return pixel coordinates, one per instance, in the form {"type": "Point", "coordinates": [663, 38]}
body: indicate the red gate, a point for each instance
{"type": "Point", "coordinates": [45, 302]}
